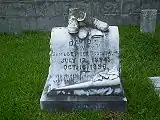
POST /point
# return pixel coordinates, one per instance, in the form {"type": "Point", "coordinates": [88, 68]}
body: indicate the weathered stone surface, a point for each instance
{"type": "Point", "coordinates": [158, 19]}
{"type": "Point", "coordinates": [66, 6]}
{"type": "Point", "coordinates": [29, 23]}
{"type": "Point", "coordinates": [112, 19]}
{"type": "Point", "coordinates": [84, 6]}
{"type": "Point", "coordinates": [14, 25]}
{"type": "Point", "coordinates": [12, 1]}
{"type": "Point", "coordinates": [47, 23]}
{"type": "Point", "coordinates": [84, 74]}
{"type": "Point", "coordinates": [112, 103]}
{"type": "Point", "coordinates": [17, 9]}
{"type": "Point", "coordinates": [4, 27]}
{"type": "Point", "coordinates": [62, 0]}
{"type": "Point", "coordinates": [111, 7]}
{"type": "Point", "coordinates": [50, 9]}
{"type": "Point", "coordinates": [131, 6]}
{"type": "Point", "coordinates": [130, 19]}
{"type": "Point", "coordinates": [128, 9]}
{"type": "Point", "coordinates": [97, 11]}
{"type": "Point", "coordinates": [2, 12]}
{"type": "Point", "coordinates": [156, 83]}
{"type": "Point", "coordinates": [89, 57]}
{"type": "Point", "coordinates": [151, 4]}
{"type": "Point", "coordinates": [148, 20]}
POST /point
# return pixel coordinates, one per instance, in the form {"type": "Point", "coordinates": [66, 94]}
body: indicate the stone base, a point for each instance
{"type": "Point", "coordinates": [67, 103]}
{"type": "Point", "coordinates": [156, 83]}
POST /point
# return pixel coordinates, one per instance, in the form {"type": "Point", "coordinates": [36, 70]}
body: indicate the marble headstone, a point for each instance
{"type": "Point", "coordinates": [84, 74]}
{"type": "Point", "coordinates": [148, 20]}
{"type": "Point", "coordinates": [156, 83]}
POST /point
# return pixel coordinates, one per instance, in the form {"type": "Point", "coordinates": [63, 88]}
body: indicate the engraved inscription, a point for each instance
{"type": "Point", "coordinates": [87, 56]}
{"type": "Point", "coordinates": [82, 61]}
{"type": "Point", "coordinates": [91, 106]}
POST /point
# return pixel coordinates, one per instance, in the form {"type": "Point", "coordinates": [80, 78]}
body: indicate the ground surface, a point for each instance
{"type": "Point", "coordinates": [24, 63]}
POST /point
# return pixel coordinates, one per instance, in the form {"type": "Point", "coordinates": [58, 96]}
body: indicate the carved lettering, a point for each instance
{"type": "Point", "coordinates": [91, 106]}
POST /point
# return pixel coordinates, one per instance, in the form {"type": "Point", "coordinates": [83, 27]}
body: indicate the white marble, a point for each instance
{"type": "Point", "coordinates": [156, 83]}
{"type": "Point", "coordinates": [79, 64]}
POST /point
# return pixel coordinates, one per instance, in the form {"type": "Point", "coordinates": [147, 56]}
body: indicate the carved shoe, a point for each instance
{"type": "Point", "coordinates": [95, 23]}
{"type": "Point", "coordinates": [72, 25]}
{"type": "Point", "coordinates": [100, 25]}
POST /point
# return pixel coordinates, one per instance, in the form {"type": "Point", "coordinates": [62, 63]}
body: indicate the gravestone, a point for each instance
{"type": "Point", "coordinates": [148, 20]}
{"type": "Point", "coordinates": [156, 83]}
{"type": "Point", "coordinates": [84, 72]}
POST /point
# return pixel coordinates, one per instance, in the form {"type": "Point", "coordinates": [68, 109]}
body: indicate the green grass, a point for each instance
{"type": "Point", "coordinates": [24, 63]}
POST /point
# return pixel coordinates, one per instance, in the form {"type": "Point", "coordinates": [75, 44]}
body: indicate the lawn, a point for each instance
{"type": "Point", "coordinates": [24, 62]}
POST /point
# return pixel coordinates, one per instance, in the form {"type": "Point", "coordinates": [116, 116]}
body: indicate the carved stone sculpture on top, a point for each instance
{"type": "Point", "coordinates": [79, 21]}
